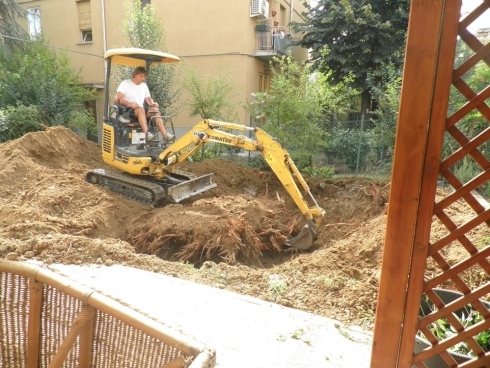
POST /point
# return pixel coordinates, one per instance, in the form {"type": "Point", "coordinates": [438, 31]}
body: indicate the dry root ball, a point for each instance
{"type": "Point", "coordinates": [225, 228]}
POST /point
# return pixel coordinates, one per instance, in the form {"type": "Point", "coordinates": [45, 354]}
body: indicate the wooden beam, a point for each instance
{"type": "Point", "coordinates": [34, 323]}
{"type": "Point", "coordinates": [417, 154]}
{"type": "Point", "coordinates": [444, 63]}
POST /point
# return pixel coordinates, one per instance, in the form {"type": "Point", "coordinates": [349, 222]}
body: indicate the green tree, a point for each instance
{"type": "Point", "coordinates": [335, 100]}
{"type": "Point", "coordinates": [291, 109]}
{"type": "Point", "coordinates": [43, 79]}
{"type": "Point", "coordinates": [12, 33]}
{"type": "Point", "coordinates": [143, 29]}
{"type": "Point", "coordinates": [354, 38]}
{"type": "Point", "coordinates": [386, 91]}
{"type": "Point", "coordinates": [212, 96]}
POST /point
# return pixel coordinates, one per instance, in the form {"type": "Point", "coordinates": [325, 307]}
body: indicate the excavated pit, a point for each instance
{"type": "Point", "coordinates": [231, 237]}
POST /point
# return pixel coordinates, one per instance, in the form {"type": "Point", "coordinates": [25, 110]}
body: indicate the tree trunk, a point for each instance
{"type": "Point", "coordinates": [366, 101]}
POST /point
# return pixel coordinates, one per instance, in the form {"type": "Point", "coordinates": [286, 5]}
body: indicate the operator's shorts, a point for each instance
{"type": "Point", "coordinates": [132, 116]}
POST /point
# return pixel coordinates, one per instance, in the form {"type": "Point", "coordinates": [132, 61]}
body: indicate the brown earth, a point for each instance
{"type": "Point", "coordinates": [231, 238]}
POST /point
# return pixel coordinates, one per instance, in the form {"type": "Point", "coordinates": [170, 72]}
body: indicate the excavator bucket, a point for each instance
{"type": "Point", "coordinates": [190, 188]}
{"type": "Point", "coordinates": [304, 240]}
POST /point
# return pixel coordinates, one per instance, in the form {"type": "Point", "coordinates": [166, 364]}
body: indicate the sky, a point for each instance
{"type": "Point", "coordinates": [482, 22]}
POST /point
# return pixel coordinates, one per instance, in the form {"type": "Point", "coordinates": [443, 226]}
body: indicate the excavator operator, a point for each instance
{"type": "Point", "coordinates": [133, 93]}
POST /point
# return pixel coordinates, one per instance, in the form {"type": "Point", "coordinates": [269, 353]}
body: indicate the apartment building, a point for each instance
{"type": "Point", "coordinates": [241, 35]}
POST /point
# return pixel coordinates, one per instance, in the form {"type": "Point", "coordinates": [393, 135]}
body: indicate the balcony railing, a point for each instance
{"type": "Point", "coordinates": [274, 39]}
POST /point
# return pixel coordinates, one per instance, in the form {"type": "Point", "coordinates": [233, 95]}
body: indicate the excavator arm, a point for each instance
{"type": "Point", "coordinates": [274, 154]}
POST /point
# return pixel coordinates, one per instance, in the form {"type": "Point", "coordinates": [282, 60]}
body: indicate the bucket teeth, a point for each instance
{"type": "Point", "coordinates": [304, 240]}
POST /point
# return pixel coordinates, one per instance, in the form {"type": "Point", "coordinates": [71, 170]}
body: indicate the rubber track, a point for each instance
{"type": "Point", "coordinates": [140, 190]}
{"type": "Point", "coordinates": [183, 173]}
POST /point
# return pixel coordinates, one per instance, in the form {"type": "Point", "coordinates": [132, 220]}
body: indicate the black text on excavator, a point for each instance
{"type": "Point", "coordinates": [150, 171]}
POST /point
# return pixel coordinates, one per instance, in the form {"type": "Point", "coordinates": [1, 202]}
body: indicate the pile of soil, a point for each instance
{"type": "Point", "coordinates": [231, 237]}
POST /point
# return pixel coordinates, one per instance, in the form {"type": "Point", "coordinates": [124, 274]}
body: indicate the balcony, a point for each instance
{"type": "Point", "coordinates": [271, 41]}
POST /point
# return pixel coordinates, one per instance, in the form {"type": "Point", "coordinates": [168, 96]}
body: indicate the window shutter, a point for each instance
{"type": "Point", "coordinates": [84, 15]}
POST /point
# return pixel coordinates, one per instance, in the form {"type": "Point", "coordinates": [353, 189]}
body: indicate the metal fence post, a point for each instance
{"type": "Point", "coordinates": [249, 135]}
{"type": "Point", "coordinates": [359, 145]}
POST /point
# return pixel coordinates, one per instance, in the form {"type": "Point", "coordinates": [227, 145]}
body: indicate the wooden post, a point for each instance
{"type": "Point", "coordinates": [34, 323]}
{"type": "Point", "coordinates": [86, 341]}
{"type": "Point", "coordinates": [86, 316]}
{"type": "Point", "coordinates": [420, 131]}
{"type": "Point", "coordinates": [432, 159]}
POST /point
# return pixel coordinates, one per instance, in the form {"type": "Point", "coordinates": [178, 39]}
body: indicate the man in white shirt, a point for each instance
{"type": "Point", "coordinates": [133, 93]}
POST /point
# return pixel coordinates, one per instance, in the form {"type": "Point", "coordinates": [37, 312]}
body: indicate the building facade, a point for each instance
{"type": "Point", "coordinates": [241, 36]}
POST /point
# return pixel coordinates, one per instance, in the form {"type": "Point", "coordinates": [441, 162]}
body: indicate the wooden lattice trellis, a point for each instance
{"type": "Point", "coordinates": [426, 120]}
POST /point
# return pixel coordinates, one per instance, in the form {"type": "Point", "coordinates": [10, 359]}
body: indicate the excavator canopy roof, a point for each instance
{"type": "Point", "coordinates": [138, 57]}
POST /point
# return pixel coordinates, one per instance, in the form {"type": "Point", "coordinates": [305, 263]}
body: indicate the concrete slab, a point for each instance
{"type": "Point", "coordinates": [246, 332]}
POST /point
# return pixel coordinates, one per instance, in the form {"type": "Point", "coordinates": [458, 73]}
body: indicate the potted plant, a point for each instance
{"type": "Point", "coordinates": [463, 314]}
{"type": "Point", "coordinates": [261, 28]}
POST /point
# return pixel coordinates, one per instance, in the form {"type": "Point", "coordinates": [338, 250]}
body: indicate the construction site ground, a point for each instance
{"type": "Point", "coordinates": [230, 239]}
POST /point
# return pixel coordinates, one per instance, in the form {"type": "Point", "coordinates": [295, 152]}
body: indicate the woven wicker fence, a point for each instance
{"type": "Point", "coordinates": [47, 320]}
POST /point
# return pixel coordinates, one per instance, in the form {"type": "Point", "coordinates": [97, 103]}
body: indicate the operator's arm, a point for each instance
{"type": "Point", "coordinates": [151, 102]}
{"type": "Point", "coordinates": [119, 99]}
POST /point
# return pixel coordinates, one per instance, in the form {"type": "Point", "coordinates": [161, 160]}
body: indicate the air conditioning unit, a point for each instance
{"type": "Point", "coordinates": [259, 9]}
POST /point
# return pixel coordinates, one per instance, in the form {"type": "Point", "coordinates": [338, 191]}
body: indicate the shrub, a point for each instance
{"type": "Point", "coordinates": [19, 120]}
{"type": "Point", "coordinates": [319, 172]}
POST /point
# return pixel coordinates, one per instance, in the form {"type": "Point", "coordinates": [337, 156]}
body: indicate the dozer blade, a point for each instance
{"type": "Point", "coordinates": [190, 188]}
{"type": "Point", "coordinates": [304, 240]}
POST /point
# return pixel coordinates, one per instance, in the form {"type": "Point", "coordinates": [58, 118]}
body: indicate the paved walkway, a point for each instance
{"type": "Point", "coordinates": [246, 332]}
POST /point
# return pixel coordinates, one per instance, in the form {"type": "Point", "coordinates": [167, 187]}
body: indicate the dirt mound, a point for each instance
{"type": "Point", "coordinates": [232, 237]}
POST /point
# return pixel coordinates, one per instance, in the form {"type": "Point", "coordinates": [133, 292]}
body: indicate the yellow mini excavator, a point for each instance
{"type": "Point", "coordinates": [150, 171]}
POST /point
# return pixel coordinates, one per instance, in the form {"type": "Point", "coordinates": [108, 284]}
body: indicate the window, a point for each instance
{"type": "Point", "coordinates": [282, 16]}
{"type": "Point", "coordinates": [263, 83]}
{"type": "Point", "coordinates": [85, 20]}
{"type": "Point", "coordinates": [144, 3]}
{"type": "Point", "coordinates": [34, 22]}
{"type": "Point", "coordinates": [87, 36]}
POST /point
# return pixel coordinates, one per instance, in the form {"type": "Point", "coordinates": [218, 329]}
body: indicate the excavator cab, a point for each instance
{"type": "Point", "coordinates": [127, 131]}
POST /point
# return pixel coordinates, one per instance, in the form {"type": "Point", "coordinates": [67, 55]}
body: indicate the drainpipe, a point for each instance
{"type": "Point", "coordinates": [106, 84]}
{"type": "Point", "coordinates": [291, 15]}
{"type": "Point", "coordinates": [102, 3]}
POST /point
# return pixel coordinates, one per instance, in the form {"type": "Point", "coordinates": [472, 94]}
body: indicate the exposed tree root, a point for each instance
{"type": "Point", "coordinates": [235, 241]}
